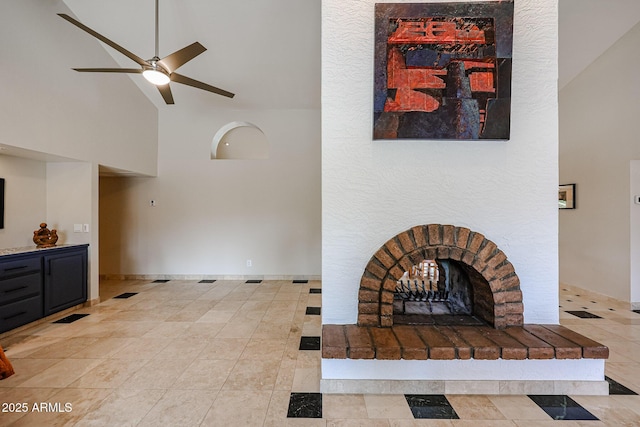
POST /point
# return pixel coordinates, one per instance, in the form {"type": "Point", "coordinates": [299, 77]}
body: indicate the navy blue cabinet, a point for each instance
{"type": "Point", "coordinates": [38, 283]}
{"type": "Point", "coordinates": [65, 279]}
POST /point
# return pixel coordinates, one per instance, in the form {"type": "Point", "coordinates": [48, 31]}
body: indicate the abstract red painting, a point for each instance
{"type": "Point", "coordinates": [443, 70]}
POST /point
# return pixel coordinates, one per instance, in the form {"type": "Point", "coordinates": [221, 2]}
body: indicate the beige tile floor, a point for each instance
{"type": "Point", "coordinates": [226, 354]}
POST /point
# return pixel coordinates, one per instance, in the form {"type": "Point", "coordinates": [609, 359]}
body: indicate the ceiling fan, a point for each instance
{"type": "Point", "coordinates": [157, 71]}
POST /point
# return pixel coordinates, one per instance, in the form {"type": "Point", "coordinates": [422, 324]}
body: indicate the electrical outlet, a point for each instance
{"type": "Point", "coordinates": [85, 228]}
{"type": "Point", "coordinates": [636, 199]}
{"type": "Point", "coordinates": [249, 263]}
{"type": "Point", "coordinates": [152, 203]}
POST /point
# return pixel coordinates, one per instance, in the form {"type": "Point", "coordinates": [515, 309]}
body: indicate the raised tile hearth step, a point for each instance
{"type": "Point", "coordinates": [413, 342]}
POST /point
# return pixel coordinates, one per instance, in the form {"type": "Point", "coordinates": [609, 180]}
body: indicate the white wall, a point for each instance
{"type": "Point", "coordinates": [372, 190]}
{"type": "Point", "coordinates": [211, 216]}
{"type": "Point", "coordinates": [598, 116]}
{"type": "Point", "coordinates": [634, 233]}
{"type": "Point", "coordinates": [69, 199]}
{"type": "Point", "coordinates": [58, 193]}
{"type": "Point", "coordinates": [72, 198]}
{"type": "Point", "coordinates": [25, 200]}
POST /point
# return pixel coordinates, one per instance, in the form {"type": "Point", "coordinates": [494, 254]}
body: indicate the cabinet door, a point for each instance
{"type": "Point", "coordinates": [65, 280]}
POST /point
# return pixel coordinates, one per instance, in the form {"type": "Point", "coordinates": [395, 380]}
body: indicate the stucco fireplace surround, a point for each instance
{"type": "Point", "coordinates": [483, 348]}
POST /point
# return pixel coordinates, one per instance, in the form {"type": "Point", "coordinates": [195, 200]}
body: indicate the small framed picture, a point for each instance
{"type": "Point", "coordinates": [567, 196]}
{"type": "Point", "coordinates": [1, 202]}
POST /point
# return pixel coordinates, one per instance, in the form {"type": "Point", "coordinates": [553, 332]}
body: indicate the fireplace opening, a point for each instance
{"type": "Point", "coordinates": [437, 291]}
{"type": "Point", "coordinates": [440, 274]}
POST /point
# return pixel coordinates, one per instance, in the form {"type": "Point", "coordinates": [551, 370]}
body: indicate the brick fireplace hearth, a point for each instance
{"type": "Point", "coordinates": [500, 354]}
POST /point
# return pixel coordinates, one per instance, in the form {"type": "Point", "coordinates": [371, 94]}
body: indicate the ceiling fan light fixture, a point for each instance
{"type": "Point", "coordinates": [156, 76]}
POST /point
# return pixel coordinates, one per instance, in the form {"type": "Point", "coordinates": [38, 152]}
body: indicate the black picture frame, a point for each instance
{"type": "Point", "coordinates": [567, 196]}
{"type": "Point", "coordinates": [1, 203]}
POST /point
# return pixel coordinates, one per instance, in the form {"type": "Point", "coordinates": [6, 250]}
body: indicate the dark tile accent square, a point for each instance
{"type": "Point", "coordinates": [71, 318]}
{"type": "Point", "coordinates": [206, 281]}
{"type": "Point", "coordinates": [562, 407]}
{"type": "Point", "coordinates": [300, 281]}
{"type": "Point", "coordinates": [430, 406]}
{"type": "Point", "coordinates": [583, 314]}
{"type": "Point", "coordinates": [126, 295]}
{"type": "Point", "coordinates": [315, 311]}
{"type": "Point", "coordinates": [617, 388]}
{"type": "Point", "coordinates": [160, 281]}
{"type": "Point", "coordinates": [253, 281]}
{"type": "Point", "coordinates": [315, 291]}
{"type": "Point", "coordinates": [305, 405]}
{"type": "Point", "coordinates": [309, 343]}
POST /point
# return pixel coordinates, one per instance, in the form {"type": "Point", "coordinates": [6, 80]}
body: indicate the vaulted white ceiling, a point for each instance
{"type": "Point", "coordinates": [268, 51]}
{"type": "Point", "coordinates": [587, 28]}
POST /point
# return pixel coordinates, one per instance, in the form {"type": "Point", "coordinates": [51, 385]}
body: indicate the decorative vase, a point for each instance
{"type": "Point", "coordinates": [43, 238]}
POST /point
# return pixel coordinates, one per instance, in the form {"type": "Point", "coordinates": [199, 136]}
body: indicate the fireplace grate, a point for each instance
{"type": "Point", "coordinates": [432, 288]}
{"type": "Point", "coordinates": [417, 291]}
{"type": "Point", "coordinates": [419, 297]}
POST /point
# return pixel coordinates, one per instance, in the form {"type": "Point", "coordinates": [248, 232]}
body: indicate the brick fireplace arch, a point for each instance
{"type": "Point", "coordinates": [496, 286]}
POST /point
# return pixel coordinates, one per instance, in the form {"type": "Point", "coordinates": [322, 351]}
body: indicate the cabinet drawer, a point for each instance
{"type": "Point", "coordinates": [20, 313]}
{"type": "Point", "coordinates": [20, 287]}
{"type": "Point", "coordinates": [19, 267]}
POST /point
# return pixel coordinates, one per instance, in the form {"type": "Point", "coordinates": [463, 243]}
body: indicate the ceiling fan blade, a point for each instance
{"type": "Point", "coordinates": [105, 40]}
{"type": "Point", "coordinates": [109, 70]}
{"type": "Point", "coordinates": [180, 57]}
{"type": "Point", "coordinates": [165, 91]}
{"type": "Point", "coordinates": [179, 78]}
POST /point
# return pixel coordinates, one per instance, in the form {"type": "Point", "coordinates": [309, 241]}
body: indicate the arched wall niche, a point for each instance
{"type": "Point", "coordinates": [239, 140]}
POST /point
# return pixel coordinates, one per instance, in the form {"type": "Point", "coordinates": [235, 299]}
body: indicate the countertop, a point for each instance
{"type": "Point", "coordinates": [27, 249]}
